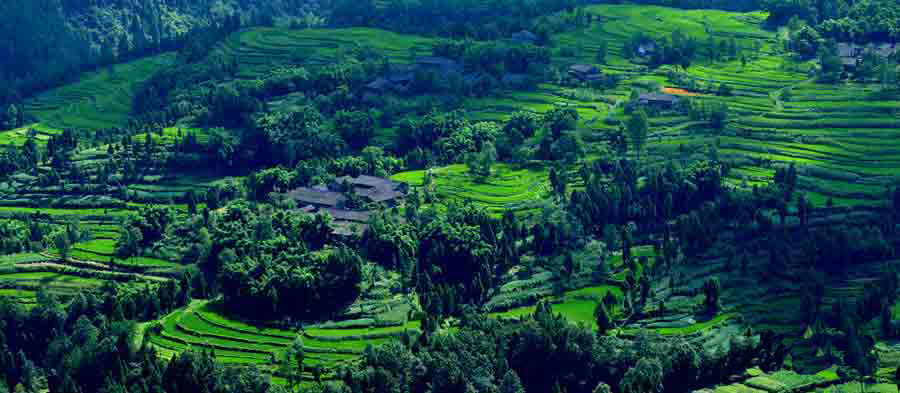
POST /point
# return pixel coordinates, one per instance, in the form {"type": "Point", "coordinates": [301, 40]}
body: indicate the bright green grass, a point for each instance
{"type": "Point", "coordinates": [507, 188]}
{"type": "Point", "coordinates": [697, 327]}
{"type": "Point", "coordinates": [49, 278]}
{"type": "Point", "coordinates": [19, 135]}
{"type": "Point", "coordinates": [316, 332]}
{"type": "Point", "coordinates": [213, 313]}
{"type": "Point", "coordinates": [261, 49]}
{"type": "Point", "coordinates": [99, 99]}
{"type": "Point", "coordinates": [18, 293]}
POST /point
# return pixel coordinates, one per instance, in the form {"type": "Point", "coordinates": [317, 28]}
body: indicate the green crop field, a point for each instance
{"type": "Point", "coordinates": [203, 325]}
{"type": "Point", "coordinates": [507, 188]}
{"type": "Point", "coordinates": [100, 99]}
{"type": "Point", "coordinates": [261, 49]}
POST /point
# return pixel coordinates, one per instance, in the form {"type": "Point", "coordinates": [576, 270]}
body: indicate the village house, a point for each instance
{"type": "Point", "coordinates": [331, 200]}
{"type": "Point", "coordinates": [525, 37]}
{"type": "Point", "coordinates": [658, 100]}
{"type": "Point", "coordinates": [851, 55]}
{"type": "Point", "coordinates": [585, 72]}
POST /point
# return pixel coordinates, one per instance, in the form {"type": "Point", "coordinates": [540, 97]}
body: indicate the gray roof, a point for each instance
{"type": "Point", "coordinates": [885, 50]}
{"type": "Point", "coordinates": [848, 50]}
{"type": "Point", "coordinates": [658, 97]}
{"type": "Point", "coordinates": [348, 215]}
{"type": "Point", "coordinates": [525, 35]}
{"type": "Point", "coordinates": [312, 196]}
{"type": "Point", "coordinates": [583, 69]}
{"type": "Point", "coordinates": [368, 181]}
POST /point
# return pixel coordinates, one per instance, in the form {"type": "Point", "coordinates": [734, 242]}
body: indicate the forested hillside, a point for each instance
{"type": "Point", "coordinates": [49, 42]}
{"type": "Point", "coordinates": [450, 196]}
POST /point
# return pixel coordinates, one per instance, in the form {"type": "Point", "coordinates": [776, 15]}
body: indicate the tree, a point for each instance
{"type": "Point", "coordinates": [638, 127]}
{"type": "Point", "coordinates": [645, 377]}
{"type": "Point", "coordinates": [601, 315]}
{"type": "Point", "coordinates": [480, 163]}
{"type": "Point", "coordinates": [511, 383]}
{"type": "Point", "coordinates": [62, 244]}
{"type": "Point", "coordinates": [602, 51]}
{"type": "Point", "coordinates": [129, 242]}
{"type": "Point", "coordinates": [725, 90]}
{"type": "Point", "coordinates": [711, 289]}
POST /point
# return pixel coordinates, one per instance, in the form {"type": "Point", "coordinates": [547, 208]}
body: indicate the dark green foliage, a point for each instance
{"type": "Point", "coordinates": [711, 293]}
{"type": "Point", "coordinates": [604, 321]}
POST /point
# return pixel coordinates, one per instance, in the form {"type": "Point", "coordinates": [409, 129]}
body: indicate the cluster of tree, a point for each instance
{"type": "Point", "coordinates": [86, 345]}
{"type": "Point", "coordinates": [271, 264]}
{"type": "Point", "coordinates": [545, 353]}
{"type": "Point", "coordinates": [494, 58]}
{"type": "Point", "coordinates": [142, 28]}
{"type": "Point", "coordinates": [858, 21]}
{"type": "Point", "coordinates": [679, 49]}
{"type": "Point", "coordinates": [728, 5]}
{"type": "Point", "coordinates": [456, 18]}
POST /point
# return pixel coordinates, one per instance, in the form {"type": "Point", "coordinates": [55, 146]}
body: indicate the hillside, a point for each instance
{"type": "Point", "coordinates": [567, 198]}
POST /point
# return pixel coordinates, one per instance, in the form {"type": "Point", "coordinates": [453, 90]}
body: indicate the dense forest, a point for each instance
{"type": "Point", "coordinates": [359, 196]}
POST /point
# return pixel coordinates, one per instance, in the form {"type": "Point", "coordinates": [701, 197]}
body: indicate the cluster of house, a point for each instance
{"type": "Point", "coordinates": [585, 72]}
{"type": "Point", "coordinates": [852, 54]}
{"type": "Point", "coordinates": [400, 76]}
{"type": "Point", "coordinates": [330, 200]}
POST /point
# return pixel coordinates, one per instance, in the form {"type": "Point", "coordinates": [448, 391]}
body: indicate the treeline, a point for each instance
{"type": "Point", "coordinates": [267, 263]}
{"type": "Point", "coordinates": [728, 5]}
{"type": "Point", "coordinates": [545, 353]}
{"type": "Point", "coordinates": [456, 18]}
{"type": "Point", "coordinates": [87, 345]}
{"type": "Point", "coordinates": [858, 21]}
{"type": "Point", "coordinates": [47, 43]}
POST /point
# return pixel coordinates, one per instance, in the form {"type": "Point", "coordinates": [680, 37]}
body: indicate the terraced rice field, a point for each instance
{"type": "Point", "coordinates": [25, 284]}
{"type": "Point", "coordinates": [101, 99]}
{"type": "Point", "coordinates": [259, 50]}
{"type": "Point", "coordinates": [507, 188]}
{"type": "Point", "coordinates": [204, 326]}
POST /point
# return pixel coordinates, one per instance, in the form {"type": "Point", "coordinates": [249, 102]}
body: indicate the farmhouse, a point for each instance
{"type": "Point", "coordinates": [851, 55]}
{"type": "Point", "coordinates": [317, 197]}
{"type": "Point", "coordinates": [584, 72]}
{"type": "Point", "coordinates": [525, 37]}
{"type": "Point", "coordinates": [374, 189]}
{"type": "Point", "coordinates": [646, 49]}
{"type": "Point", "coordinates": [440, 65]}
{"type": "Point", "coordinates": [331, 200]}
{"type": "Point", "coordinates": [658, 100]}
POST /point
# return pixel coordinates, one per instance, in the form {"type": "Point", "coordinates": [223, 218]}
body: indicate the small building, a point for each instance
{"type": "Point", "coordinates": [585, 72]}
{"type": "Point", "coordinates": [646, 48]}
{"type": "Point", "coordinates": [440, 65]}
{"type": "Point", "coordinates": [309, 196]}
{"type": "Point", "coordinates": [658, 100]}
{"type": "Point", "coordinates": [374, 189]}
{"type": "Point", "coordinates": [886, 50]}
{"type": "Point", "coordinates": [850, 55]}
{"type": "Point", "coordinates": [525, 37]}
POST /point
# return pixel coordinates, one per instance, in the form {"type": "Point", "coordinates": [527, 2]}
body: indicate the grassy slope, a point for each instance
{"type": "Point", "coordinates": [100, 99]}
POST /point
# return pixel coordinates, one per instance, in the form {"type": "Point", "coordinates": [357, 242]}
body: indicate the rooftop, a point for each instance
{"type": "Point", "coordinates": [583, 69]}
{"type": "Point", "coordinates": [658, 97]}
{"type": "Point", "coordinates": [312, 196]}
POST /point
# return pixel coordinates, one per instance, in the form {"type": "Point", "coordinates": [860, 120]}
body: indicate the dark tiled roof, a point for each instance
{"type": "Point", "coordinates": [435, 61]}
{"type": "Point", "coordinates": [658, 97]}
{"type": "Point", "coordinates": [368, 181]}
{"type": "Point", "coordinates": [347, 215]}
{"type": "Point", "coordinates": [583, 69]}
{"type": "Point", "coordinates": [848, 50]}
{"type": "Point", "coordinates": [312, 196]}
{"type": "Point", "coordinates": [348, 228]}
{"type": "Point", "coordinates": [380, 84]}
{"type": "Point", "coordinates": [885, 50]}
{"type": "Point", "coordinates": [525, 35]}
